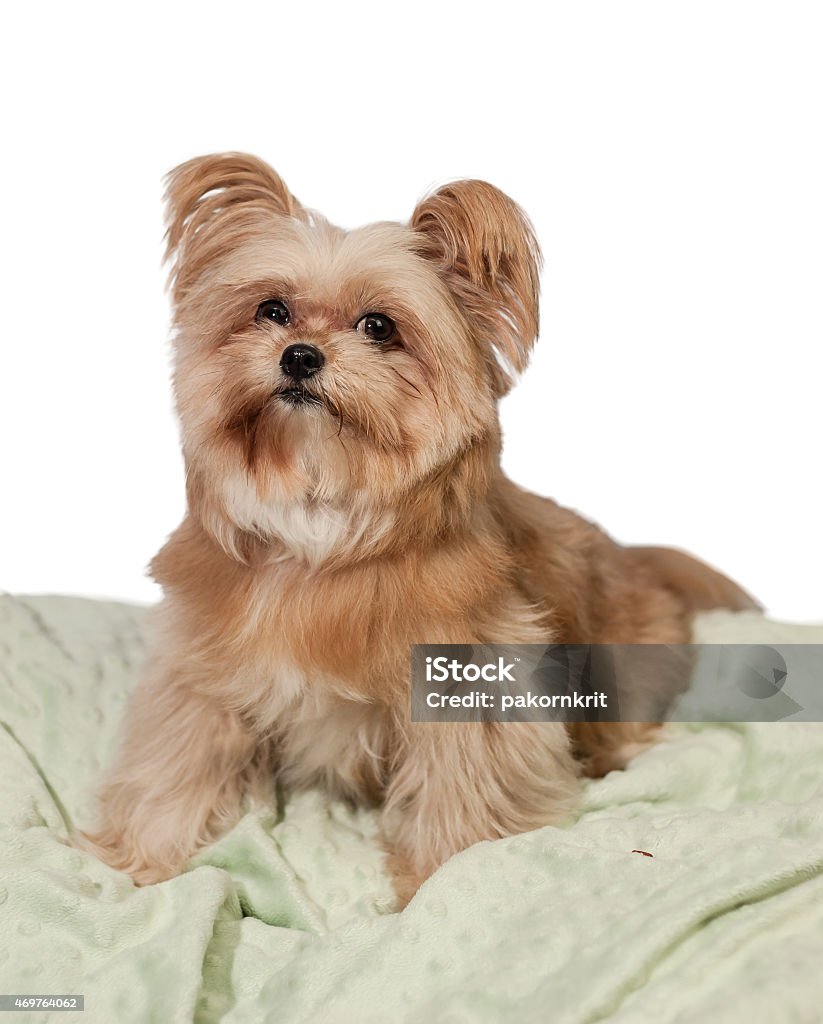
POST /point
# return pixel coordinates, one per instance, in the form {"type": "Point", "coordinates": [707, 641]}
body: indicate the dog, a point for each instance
{"type": "Point", "coordinates": [337, 393]}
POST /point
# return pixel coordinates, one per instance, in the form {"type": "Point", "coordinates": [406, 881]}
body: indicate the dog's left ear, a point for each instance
{"type": "Point", "coordinates": [485, 248]}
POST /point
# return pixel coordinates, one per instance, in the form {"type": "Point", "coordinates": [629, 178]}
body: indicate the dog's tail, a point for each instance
{"type": "Point", "coordinates": [695, 582]}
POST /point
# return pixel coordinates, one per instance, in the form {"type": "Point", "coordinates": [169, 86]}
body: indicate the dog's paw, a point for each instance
{"type": "Point", "coordinates": [617, 758]}
{"type": "Point", "coordinates": [111, 849]}
{"type": "Point", "coordinates": [405, 879]}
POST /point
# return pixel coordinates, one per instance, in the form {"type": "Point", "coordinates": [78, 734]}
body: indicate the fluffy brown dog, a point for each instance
{"type": "Point", "coordinates": [338, 393]}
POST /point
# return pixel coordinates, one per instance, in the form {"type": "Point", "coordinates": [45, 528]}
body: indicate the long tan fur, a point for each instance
{"type": "Point", "coordinates": [322, 541]}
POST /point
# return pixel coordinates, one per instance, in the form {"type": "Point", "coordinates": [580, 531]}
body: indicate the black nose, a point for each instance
{"type": "Point", "coordinates": [299, 361]}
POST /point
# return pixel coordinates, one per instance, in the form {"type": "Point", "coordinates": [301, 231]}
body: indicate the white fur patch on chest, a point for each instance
{"type": "Point", "coordinates": [310, 530]}
{"type": "Point", "coordinates": [311, 533]}
{"type": "Point", "coordinates": [324, 736]}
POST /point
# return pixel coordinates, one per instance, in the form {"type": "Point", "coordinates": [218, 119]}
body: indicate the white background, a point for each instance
{"type": "Point", "coordinates": [670, 155]}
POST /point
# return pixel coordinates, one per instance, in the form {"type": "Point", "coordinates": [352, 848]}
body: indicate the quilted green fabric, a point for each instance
{"type": "Point", "coordinates": [288, 917]}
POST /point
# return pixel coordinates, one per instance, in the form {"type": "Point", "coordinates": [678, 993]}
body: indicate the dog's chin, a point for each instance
{"type": "Point", "coordinates": [298, 397]}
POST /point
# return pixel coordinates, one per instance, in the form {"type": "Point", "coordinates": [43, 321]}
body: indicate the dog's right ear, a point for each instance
{"type": "Point", "coordinates": [211, 202]}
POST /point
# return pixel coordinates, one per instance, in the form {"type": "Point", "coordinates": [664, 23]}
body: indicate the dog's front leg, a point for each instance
{"type": "Point", "coordinates": [184, 764]}
{"type": "Point", "coordinates": [462, 783]}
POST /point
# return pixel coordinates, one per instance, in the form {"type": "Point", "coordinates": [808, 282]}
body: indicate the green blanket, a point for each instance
{"type": "Point", "coordinates": [287, 917]}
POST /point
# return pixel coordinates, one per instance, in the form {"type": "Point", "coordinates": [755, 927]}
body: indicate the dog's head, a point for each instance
{"type": "Point", "coordinates": [324, 376]}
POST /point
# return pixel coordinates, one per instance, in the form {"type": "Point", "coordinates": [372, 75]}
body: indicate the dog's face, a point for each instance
{"type": "Point", "coordinates": [328, 373]}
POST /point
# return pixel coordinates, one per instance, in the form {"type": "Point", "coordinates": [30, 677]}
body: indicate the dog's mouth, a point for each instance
{"type": "Point", "coordinates": [297, 395]}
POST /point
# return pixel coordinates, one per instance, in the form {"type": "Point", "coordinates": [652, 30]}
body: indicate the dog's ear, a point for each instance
{"type": "Point", "coordinates": [485, 248]}
{"type": "Point", "coordinates": [211, 203]}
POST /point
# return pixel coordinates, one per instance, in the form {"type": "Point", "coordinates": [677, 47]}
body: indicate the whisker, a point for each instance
{"type": "Point", "coordinates": [411, 384]}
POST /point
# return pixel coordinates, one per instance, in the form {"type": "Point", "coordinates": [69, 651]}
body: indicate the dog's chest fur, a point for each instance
{"type": "Point", "coordinates": [329, 730]}
{"type": "Point", "coordinates": [309, 530]}
{"type": "Point", "coordinates": [325, 735]}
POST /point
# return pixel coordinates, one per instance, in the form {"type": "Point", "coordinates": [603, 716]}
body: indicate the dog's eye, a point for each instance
{"type": "Point", "coordinates": [274, 311]}
{"type": "Point", "coordinates": [377, 327]}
